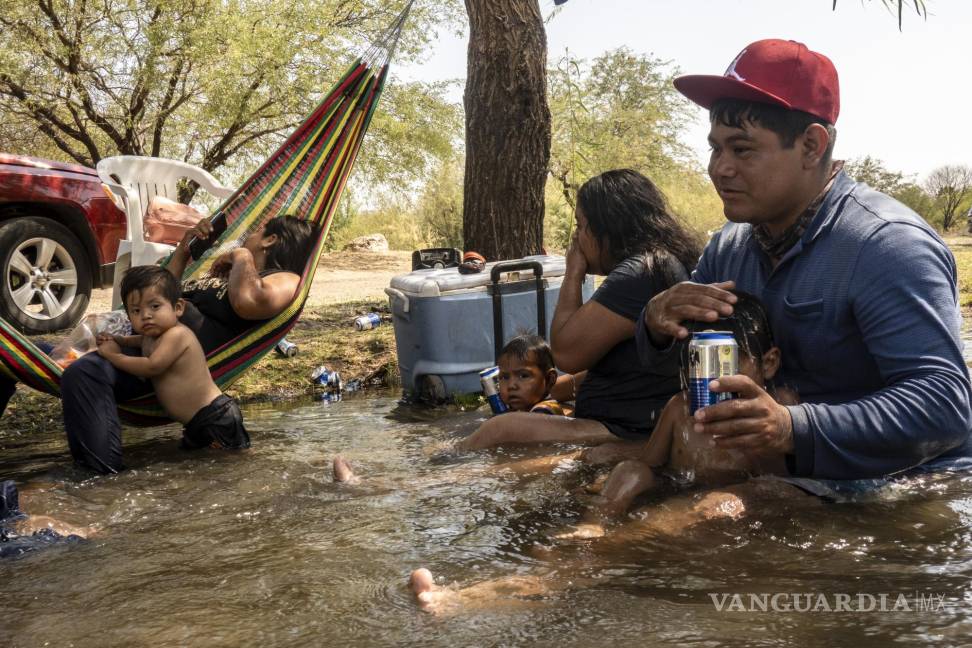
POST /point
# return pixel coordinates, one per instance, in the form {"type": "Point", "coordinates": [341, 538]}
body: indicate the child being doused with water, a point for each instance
{"type": "Point", "coordinates": [173, 359]}
{"type": "Point", "coordinates": [676, 449]}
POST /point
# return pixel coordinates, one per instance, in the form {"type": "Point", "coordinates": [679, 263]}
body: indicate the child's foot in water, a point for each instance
{"type": "Point", "coordinates": [586, 531]}
{"type": "Point", "coordinates": [343, 473]}
{"type": "Point", "coordinates": [430, 597]}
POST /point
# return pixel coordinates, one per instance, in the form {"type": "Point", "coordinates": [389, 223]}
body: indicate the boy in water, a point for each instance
{"type": "Point", "coordinates": [678, 448]}
{"type": "Point", "coordinates": [174, 361]}
{"type": "Point", "coordinates": [527, 376]}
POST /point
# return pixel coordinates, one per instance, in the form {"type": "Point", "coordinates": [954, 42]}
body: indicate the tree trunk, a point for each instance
{"type": "Point", "coordinates": [507, 129]}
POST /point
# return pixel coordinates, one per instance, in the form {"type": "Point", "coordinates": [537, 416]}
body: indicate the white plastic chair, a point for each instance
{"type": "Point", "coordinates": [137, 180]}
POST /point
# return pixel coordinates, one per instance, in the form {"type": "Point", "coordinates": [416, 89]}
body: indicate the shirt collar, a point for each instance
{"type": "Point", "coordinates": [829, 209]}
{"type": "Point", "coordinates": [776, 247]}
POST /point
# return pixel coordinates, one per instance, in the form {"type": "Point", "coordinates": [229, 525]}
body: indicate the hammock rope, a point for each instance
{"type": "Point", "coordinates": [304, 177]}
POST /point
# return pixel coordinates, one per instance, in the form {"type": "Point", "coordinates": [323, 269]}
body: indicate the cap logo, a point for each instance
{"type": "Point", "coordinates": [731, 70]}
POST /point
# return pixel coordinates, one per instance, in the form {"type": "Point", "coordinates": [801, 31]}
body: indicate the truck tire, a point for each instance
{"type": "Point", "coordinates": [46, 277]}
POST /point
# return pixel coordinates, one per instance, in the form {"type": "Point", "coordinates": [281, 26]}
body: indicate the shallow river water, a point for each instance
{"type": "Point", "coordinates": [262, 549]}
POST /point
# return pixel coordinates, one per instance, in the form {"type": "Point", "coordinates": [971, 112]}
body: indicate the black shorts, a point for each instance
{"type": "Point", "coordinates": [218, 425]}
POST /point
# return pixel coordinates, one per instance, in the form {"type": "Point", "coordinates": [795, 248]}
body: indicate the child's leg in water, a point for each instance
{"type": "Point", "coordinates": [628, 480]}
{"type": "Point", "coordinates": [508, 592]}
{"type": "Point", "coordinates": [342, 471]}
{"type": "Point", "coordinates": [35, 523]}
{"type": "Point", "coordinates": [524, 428]}
{"type": "Point", "coordinates": [537, 465]}
{"type": "Point", "coordinates": [678, 514]}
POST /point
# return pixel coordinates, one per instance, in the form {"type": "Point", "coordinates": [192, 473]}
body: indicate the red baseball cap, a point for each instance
{"type": "Point", "coordinates": [773, 71]}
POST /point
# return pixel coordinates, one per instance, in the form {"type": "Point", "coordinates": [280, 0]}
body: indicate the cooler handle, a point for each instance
{"type": "Point", "coordinates": [395, 293]}
{"type": "Point", "coordinates": [494, 275]}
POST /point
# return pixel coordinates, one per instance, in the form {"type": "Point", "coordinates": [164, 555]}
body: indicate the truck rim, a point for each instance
{"type": "Point", "coordinates": [42, 278]}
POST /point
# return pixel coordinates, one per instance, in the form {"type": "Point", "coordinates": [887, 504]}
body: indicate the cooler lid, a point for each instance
{"type": "Point", "coordinates": [433, 283]}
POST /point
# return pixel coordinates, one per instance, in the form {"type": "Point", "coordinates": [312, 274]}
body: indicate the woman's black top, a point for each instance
{"type": "Point", "coordinates": [618, 391]}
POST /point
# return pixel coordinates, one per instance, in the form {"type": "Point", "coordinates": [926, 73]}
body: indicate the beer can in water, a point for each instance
{"type": "Point", "coordinates": [366, 322]}
{"type": "Point", "coordinates": [326, 378]}
{"type": "Point", "coordinates": [712, 355]}
{"type": "Point", "coordinates": [286, 349]}
{"type": "Point", "coordinates": [490, 381]}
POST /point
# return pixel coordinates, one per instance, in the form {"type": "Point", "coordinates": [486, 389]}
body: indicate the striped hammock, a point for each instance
{"type": "Point", "coordinates": [304, 177]}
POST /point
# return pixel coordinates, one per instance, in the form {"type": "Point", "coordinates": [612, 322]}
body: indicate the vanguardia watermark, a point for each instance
{"type": "Point", "coordinates": [921, 602]}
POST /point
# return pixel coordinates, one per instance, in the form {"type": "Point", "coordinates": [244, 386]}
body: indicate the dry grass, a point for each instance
{"type": "Point", "coordinates": [326, 336]}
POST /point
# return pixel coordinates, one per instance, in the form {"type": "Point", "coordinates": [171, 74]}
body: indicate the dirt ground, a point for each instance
{"type": "Point", "coordinates": [340, 277]}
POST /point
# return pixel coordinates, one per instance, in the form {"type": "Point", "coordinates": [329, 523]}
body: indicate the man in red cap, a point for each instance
{"type": "Point", "coordinates": [860, 291]}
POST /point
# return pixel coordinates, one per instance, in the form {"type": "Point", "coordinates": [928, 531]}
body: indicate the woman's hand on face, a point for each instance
{"type": "Point", "coordinates": [576, 261]}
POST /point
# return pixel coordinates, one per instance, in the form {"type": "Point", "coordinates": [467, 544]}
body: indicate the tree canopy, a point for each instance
{"type": "Point", "coordinates": [619, 110]}
{"type": "Point", "coordinates": [216, 83]}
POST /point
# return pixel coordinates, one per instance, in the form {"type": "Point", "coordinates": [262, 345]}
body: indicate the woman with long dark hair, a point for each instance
{"type": "Point", "coordinates": [626, 232]}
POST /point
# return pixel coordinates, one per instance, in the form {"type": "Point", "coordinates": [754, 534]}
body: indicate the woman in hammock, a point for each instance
{"type": "Point", "coordinates": [247, 286]}
{"type": "Point", "coordinates": [625, 231]}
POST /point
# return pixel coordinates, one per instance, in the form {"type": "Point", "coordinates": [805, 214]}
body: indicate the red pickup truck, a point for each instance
{"type": "Point", "coordinates": [59, 233]}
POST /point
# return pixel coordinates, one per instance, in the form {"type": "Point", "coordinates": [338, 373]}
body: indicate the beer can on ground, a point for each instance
{"type": "Point", "coordinates": [326, 378]}
{"type": "Point", "coordinates": [366, 322]}
{"type": "Point", "coordinates": [712, 354]}
{"type": "Point", "coordinates": [490, 381]}
{"type": "Point", "coordinates": [286, 349]}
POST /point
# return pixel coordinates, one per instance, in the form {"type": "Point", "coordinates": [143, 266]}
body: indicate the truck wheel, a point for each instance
{"type": "Point", "coordinates": [46, 281]}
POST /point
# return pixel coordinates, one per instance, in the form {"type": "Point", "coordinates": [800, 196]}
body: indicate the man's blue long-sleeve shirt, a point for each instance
{"type": "Point", "coordinates": [865, 311]}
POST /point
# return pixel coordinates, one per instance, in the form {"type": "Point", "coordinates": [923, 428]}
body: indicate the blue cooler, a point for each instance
{"type": "Point", "coordinates": [449, 326]}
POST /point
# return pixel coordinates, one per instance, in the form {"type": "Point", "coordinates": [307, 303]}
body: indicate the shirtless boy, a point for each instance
{"type": "Point", "coordinates": [174, 361]}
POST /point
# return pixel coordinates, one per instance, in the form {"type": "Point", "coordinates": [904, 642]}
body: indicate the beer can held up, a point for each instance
{"type": "Point", "coordinates": [712, 355]}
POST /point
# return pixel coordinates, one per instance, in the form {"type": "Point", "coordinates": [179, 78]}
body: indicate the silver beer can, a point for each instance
{"type": "Point", "coordinates": [712, 355]}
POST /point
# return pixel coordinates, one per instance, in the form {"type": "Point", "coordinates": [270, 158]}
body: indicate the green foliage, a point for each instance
{"type": "Point", "coordinates": [218, 83]}
{"type": "Point", "coordinates": [620, 110]}
{"type": "Point", "coordinates": [439, 208]}
{"type": "Point", "coordinates": [917, 199]}
{"type": "Point", "coordinates": [951, 187]}
{"type": "Point", "coordinates": [344, 216]}
{"type": "Point", "coordinates": [919, 6]}
{"type": "Point", "coordinates": [872, 172]}
{"type": "Point", "coordinates": [393, 217]}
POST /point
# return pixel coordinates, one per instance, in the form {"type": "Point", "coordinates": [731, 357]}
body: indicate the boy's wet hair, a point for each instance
{"type": "Point", "coordinates": [748, 323]}
{"type": "Point", "coordinates": [527, 348]}
{"type": "Point", "coordinates": [141, 277]}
